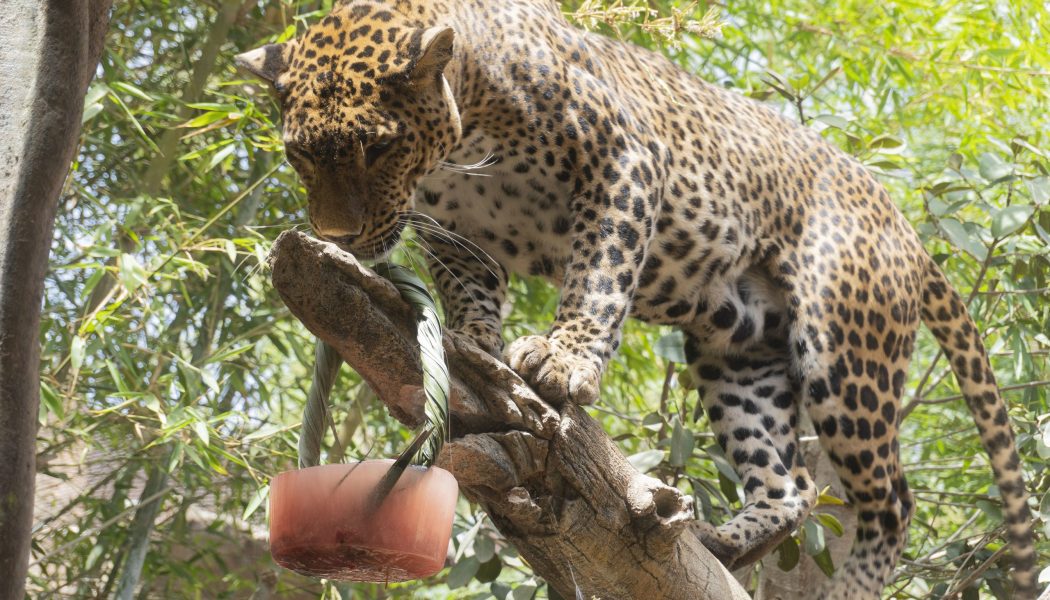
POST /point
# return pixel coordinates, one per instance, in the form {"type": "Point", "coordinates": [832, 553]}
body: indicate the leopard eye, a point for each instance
{"type": "Point", "coordinates": [299, 160]}
{"type": "Point", "coordinates": [377, 149]}
{"type": "Point", "coordinates": [293, 155]}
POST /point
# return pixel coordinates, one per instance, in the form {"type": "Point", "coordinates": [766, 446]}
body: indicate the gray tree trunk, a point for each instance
{"type": "Point", "coordinates": [141, 527]}
{"type": "Point", "coordinates": [49, 53]}
{"type": "Point", "coordinates": [552, 481]}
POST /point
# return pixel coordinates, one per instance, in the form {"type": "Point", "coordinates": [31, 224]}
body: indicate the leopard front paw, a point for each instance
{"type": "Point", "coordinates": [556, 373]}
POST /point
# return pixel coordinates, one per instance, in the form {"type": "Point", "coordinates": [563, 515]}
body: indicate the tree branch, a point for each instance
{"type": "Point", "coordinates": [553, 482]}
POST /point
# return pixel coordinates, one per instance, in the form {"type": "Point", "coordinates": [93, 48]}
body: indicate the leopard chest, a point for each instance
{"type": "Point", "coordinates": [506, 201]}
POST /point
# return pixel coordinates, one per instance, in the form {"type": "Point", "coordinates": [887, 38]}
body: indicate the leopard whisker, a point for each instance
{"type": "Point", "coordinates": [444, 237]}
{"type": "Point", "coordinates": [431, 225]}
{"type": "Point", "coordinates": [489, 160]}
{"type": "Point", "coordinates": [422, 245]}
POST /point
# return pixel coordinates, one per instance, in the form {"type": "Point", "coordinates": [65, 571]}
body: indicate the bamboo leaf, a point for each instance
{"type": "Point", "coordinates": [76, 353]}
{"type": "Point", "coordinates": [832, 523]}
{"type": "Point", "coordinates": [682, 442]}
{"type": "Point", "coordinates": [128, 88]}
{"type": "Point", "coordinates": [396, 470]}
{"type": "Point", "coordinates": [826, 499]}
{"type": "Point", "coordinates": [255, 501]}
{"type": "Point", "coordinates": [201, 429]}
{"type": "Point", "coordinates": [432, 351]}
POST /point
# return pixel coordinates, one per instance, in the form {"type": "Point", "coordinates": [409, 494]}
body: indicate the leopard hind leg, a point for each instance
{"type": "Point", "coordinates": [751, 402]}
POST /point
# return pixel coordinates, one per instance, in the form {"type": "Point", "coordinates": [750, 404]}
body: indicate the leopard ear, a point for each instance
{"type": "Point", "coordinates": [266, 62]}
{"type": "Point", "coordinates": [431, 50]}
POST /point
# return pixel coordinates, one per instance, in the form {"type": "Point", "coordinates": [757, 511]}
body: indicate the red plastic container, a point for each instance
{"type": "Point", "coordinates": [319, 524]}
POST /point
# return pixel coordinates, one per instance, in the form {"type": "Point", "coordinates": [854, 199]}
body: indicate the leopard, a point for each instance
{"type": "Point", "coordinates": [513, 142]}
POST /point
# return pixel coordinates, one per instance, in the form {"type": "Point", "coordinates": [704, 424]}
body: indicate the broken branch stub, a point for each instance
{"type": "Point", "coordinates": [553, 482]}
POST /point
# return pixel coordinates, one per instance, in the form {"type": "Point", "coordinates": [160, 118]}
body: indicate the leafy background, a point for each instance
{"type": "Point", "coordinates": [173, 377]}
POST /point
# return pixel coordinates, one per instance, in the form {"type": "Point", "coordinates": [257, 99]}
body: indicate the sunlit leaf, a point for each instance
{"type": "Point", "coordinates": [644, 461]}
{"type": "Point", "coordinates": [201, 429]}
{"type": "Point", "coordinates": [961, 237]}
{"type": "Point", "coordinates": [886, 142]}
{"type": "Point", "coordinates": [814, 538]}
{"type": "Point", "coordinates": [221, 155]}
{"type": "Point", "coordinates": [76, 353]}
{"type": "Point", "coordinates": [826, 499]}
{"type": "Point", "coordinates": [1039, 187]}
{"type": "Point", "coordinates": [51, 400]}
{"type": "Point", "coordinates": [831, 523]}
{"type": "Point", "coordinates": [132, 273]}
{"type": "Point", "coordinates": [128, 88]}
{"type": "Point", "coordinates": [1009, 219]}
{"type": "Point", "coordinates": [833, 121]}
{"type": "Point", "coordinates": [993, 167]}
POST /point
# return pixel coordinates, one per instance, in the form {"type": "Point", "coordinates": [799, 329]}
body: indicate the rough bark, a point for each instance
{"type": "Point", "coordinates": [551, 480]}
{"type": "Point", "coordinates": [49, 53]}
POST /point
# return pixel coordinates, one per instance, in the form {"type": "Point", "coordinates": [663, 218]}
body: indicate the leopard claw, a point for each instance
{"type": "Point", "coordinates": [556, 374]}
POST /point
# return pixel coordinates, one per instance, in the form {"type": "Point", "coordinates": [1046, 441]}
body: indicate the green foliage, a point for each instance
{"type": "Point", "coordinates": [165, 350]}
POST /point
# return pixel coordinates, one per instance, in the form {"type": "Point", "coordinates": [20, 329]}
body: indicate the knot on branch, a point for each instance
{"type": "Point", "coordinates": [659, 512]}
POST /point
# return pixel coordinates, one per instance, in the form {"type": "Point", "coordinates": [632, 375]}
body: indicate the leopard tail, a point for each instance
{"type": "Point", "coordinates": [945, 314]}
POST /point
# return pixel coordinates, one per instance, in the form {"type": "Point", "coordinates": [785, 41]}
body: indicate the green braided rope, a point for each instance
{"type": "Point", "coordinates": [435, 383]}
{"type": "Point", "coordinates": [431, 353]}
{"type": "Point", "coordinates": [315, 413]}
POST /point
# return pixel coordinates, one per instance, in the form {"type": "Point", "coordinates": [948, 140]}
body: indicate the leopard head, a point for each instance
{"type": "Point", "coordinates": [367, 113]}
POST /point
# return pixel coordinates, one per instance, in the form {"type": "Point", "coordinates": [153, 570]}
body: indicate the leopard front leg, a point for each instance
{"type": "Point", "coordinates": [471, 285]}
{"type": "Point", "coordinates": [613, 220]}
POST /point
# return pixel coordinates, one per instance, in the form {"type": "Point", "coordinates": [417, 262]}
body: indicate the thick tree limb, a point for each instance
{"type": "Point", "coordinates": [553, 483]}
{"type": "Point", "coordinates": [49, 53]}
